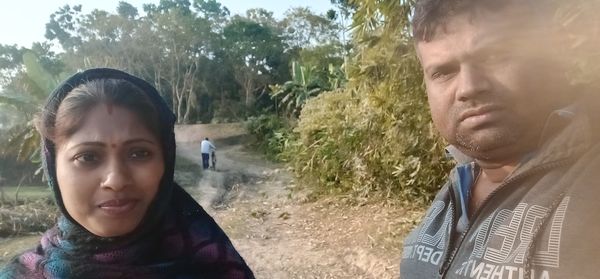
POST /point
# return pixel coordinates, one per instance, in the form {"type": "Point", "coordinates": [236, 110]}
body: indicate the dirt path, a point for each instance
{"type": "Point", "coordinates": [282, 235]}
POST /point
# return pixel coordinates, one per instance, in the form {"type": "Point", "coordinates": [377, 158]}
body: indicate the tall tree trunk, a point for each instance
{"type": "Point", "coordinates": [190, 96]}
{"type": "Point", "coordinates": [179, 106]}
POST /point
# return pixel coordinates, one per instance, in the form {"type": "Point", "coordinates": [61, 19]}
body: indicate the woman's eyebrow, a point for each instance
{"type": "Point", "coordinates": [103, 144]}
{"type": "Point", "coordinates": [138, 140]}
{"type": "Point", "coordinates": [89, 143]}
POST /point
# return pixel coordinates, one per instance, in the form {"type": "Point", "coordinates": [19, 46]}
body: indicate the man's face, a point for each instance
{"type": "Point", "coordinates": [489, 84]}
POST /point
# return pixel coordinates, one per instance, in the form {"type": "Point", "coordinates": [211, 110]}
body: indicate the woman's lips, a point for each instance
{"type": "Point", "coordinates": [117, 206]}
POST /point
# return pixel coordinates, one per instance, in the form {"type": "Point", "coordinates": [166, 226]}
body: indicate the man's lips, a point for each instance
{"type": "Point", "coordinates": [478, 112]}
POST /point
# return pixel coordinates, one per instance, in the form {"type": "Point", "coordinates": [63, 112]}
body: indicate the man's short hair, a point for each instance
{"type": "Point", "coordinates": [430, 14]}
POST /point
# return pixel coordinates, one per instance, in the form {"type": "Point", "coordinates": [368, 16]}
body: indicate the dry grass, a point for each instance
{"type": "Point", "coordinates": [30, 217]}
{"type": "Point", "coordinates": [26, 210]}
{"type": "Point", "coordinates": [25, 193]}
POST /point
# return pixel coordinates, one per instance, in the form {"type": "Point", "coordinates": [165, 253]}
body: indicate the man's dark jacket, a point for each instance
{"type": "Point", "coordinates": [543, 221]}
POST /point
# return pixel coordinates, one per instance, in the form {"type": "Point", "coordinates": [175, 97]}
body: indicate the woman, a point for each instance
{"type": "Point", "coordinates": [109, 156]}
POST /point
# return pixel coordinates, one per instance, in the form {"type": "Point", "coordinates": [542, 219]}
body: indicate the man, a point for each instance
{"type": "Point", "coordinates": [206, 148]}
{"type": "Point", "coordinates": [524, 203]}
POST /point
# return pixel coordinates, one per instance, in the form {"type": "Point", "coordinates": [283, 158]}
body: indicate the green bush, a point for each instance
{"type": "Point", "coordinates": [374, 137]}
{"type": "Point", "coordinates": [369, 146]}
{"type": "Point", "coordinates": [272, 134]}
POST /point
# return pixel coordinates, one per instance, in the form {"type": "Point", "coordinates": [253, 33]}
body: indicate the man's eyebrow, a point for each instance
{"type": "Point", "coordinates": [430, 67]}
{"type": "Point", "coordinates": [499, 41]}
{"type": "Point", "coordinates": [441, 64]}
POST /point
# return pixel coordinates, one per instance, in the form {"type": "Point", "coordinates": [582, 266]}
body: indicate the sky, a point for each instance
{"type": "Point", "coordinates": [23, 22]}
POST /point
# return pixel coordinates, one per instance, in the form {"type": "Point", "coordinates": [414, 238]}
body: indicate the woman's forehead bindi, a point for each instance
{"type": "Point", "coordinates": [109, 108]}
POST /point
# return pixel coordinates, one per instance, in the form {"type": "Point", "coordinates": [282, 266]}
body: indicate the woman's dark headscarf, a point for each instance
{"type": "Point", "coordinates": [176, 238]}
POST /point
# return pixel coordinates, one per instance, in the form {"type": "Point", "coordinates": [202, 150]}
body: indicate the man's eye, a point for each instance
{"type": "Point", "coordinates": [437, 75]}
{"type": "Point", "coordinates": [443, 73]}
{"type": "Point", "coordinates": [440, 75]}
{"type": "Point", "coordinates": [87, 158]}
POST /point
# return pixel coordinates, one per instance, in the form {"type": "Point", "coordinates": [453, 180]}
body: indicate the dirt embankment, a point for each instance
{"type": "Point", "coordinates": [197, 132]}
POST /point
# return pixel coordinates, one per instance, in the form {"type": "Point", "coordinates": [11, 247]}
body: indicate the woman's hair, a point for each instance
{"type": "Point", "coordinates": [61, 124]}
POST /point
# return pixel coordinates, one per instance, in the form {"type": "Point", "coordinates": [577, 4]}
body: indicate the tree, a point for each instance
{"type": "Point", "coordinates": [212, 11]}
{"type": "Point", "coordinates": [168, 46]}
{"type": "Point", "coordinates": [63, 26]}
{"type": "Point", "coordinates": [186, 40]}
{"type": "Point", "coordinates": [264, 18]}
{"type": "Point", "coordinates": [256, 54]}
{"type": "Point", "coordinates": [345, 8]}
{"type": "Point", "coordinates": [305, 29]}
{"type": "Point", "coordinates": [127, 10]}
{"type": "Point", "coordinates": [11, 63]}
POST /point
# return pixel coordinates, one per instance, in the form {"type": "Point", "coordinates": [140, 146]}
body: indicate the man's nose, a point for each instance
{"type": "Point", "coordinates": [472, 81]}
{"type": "Point", "coordinates": [117, 176]}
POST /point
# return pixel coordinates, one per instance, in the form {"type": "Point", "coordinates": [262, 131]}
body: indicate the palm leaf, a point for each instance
{"type": "Point", "coordinates": [30, 145]}
{"type": "Point", "coordinates": [287, 97]}
{"type": "Point", "coordinates": [40, 76]}
{"type": "Point", "coordinates": [296, 72]}
{"type": "Point", "coordinates": [19, 103]}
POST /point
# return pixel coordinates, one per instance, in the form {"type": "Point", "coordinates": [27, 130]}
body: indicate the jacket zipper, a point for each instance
{"type": "Point", "coordinates": [453, 222]}
{"type": "Point", "coordinates": [450, 256]}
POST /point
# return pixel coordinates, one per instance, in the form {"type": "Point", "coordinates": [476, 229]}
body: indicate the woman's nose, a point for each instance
{"type": "Point", "coordinates": [117, 176]}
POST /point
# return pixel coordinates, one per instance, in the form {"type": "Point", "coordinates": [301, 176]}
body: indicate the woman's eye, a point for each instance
{"type": "Point", "coordinates": [140, 154]}
{"type": "Point", "coordinates": [87, 158]}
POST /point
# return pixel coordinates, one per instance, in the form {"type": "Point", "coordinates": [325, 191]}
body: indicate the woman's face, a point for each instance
{"type": "Point", "coordinates": [109, 171]}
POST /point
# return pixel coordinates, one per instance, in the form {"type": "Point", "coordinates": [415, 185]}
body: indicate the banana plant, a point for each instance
{"type": "Point", "coordinates": [305, 84]}
{"type": "Point", "coordinates": [31, 90]}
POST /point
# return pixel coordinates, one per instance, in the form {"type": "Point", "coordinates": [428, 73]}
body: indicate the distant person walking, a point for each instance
{"type": "Point", "coordinates": [206, 147]}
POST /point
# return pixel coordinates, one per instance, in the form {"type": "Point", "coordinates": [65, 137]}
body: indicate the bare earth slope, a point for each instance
{"type": "Point", "coordinates": [280, 233]}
